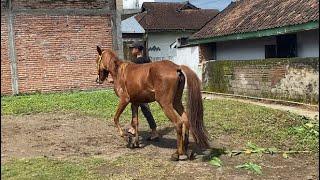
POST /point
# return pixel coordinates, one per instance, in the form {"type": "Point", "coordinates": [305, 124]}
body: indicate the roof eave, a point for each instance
{"type": "Point", "coordinates": [170, 30]}
{"type": "Point", "coordinates": [260, 33]}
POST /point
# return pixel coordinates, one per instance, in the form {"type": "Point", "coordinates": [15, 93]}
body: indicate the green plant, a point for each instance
{"type": "Point", "coordinates": [250, 167]}
{"type": "Point", "coordinates": [307, 133]}
{"type": "Point", "coordinates": [215, 161]}
{"type": "Point", "coordinates": [253, 148]}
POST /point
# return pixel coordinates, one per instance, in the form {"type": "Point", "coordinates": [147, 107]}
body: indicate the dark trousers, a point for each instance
{"type": "Point", "coordinates": [147, 113]}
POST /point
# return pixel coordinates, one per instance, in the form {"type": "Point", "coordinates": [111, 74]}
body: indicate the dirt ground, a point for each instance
{"type": "Point", "coordinates": [67, 136]}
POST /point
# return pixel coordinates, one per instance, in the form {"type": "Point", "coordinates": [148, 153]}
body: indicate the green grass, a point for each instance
{"type": "Point", "coordinates": [44, 168]}
{"type": "Point", "coordinates": [263, 126]}
{"type": "Point", "coordinates": [243, 122]}
{"type": "Point", "coordinates": [101, 104]}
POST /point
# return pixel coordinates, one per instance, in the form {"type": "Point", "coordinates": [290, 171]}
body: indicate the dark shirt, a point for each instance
{"type": "Point", "coordinates": [142, 60]}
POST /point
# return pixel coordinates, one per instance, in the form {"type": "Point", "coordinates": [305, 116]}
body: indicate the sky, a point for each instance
{"type": "Point", "coordinates": [205, 4]}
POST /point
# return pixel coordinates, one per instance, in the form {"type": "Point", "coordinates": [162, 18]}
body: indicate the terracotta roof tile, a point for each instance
{"type": "Point", "coordinates": [253, 15]}
{"type": "Point", "coordinates": [159, 16]}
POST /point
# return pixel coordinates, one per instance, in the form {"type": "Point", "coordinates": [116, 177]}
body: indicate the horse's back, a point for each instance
{"type": "Point", "coordinates": [158, 68]}
{"type": "Point", "coordinates": [143, 81]}
{"type": "Point", "coordinates": [165, 67]}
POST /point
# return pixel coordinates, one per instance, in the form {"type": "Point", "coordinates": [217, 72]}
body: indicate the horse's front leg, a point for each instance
{"type": "Point", "coordinates": [121, 107]}
{"type": "Point", "coordinates": [135, 125]}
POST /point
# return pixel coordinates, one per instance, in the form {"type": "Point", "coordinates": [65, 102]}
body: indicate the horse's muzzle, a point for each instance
{"type": "Point", "coordinates": [98, 81]}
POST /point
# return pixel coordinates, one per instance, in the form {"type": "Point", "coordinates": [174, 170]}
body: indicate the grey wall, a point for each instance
{"type": "Point", "coordinates": [308, 43]}
{"type": "Point", "coordinates": [243, 49]}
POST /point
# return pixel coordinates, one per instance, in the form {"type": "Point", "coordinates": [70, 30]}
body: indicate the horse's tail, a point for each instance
{"type": "Point", "coordinates": [195, 108]}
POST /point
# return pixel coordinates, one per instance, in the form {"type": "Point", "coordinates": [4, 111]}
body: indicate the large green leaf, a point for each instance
{"type": "Point", "coordinates": [215, 162]}
{"type": "Point", "coordinates": [251, 167]}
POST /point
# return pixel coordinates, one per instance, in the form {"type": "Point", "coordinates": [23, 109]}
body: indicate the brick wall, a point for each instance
{"type": "Point", "coordinates": [56, 4]}
{"type": "Point", "coordinates": [295, 79]}
{"type": "Point", "coordinates": [55, 49]}
{"type": "Point", "coordinates": [5, 64]}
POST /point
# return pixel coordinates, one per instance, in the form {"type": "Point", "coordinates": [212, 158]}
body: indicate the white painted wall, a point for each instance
{"type": "Point", "coordinates": [134, 4]}
{"type": "Point", "coordinates": [308, 43]}
{"type": "Point", "coordinates": [189, 56]}
{"type": "Point", "coordinates": [163, 40]}
{"type": "Point", "coordinates": [130, 4]}
{"type": "Point", "coordinates": [243, 49]}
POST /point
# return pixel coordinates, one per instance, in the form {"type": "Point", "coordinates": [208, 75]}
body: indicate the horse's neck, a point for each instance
{"type": "Point", "coordinates": [117, 71]}
{"type": "Point", "coordinates": [118, 78]}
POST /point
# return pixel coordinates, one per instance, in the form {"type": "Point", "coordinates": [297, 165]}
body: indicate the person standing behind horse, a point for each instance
{"type": "Point", "coordinates": [137, 51]}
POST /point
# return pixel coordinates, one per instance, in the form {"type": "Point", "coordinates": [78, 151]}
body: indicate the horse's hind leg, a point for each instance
{"type": "Point", "coordinates": [185, 127]}
{"type": "Point", "coordinates": [167, 95]}
{"type": "Point", "coordinates": [181, 111]}
{"type": "Point", "coordinates": [173, 115]}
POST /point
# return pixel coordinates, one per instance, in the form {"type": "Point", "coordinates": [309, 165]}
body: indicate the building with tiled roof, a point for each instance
{"type": "Point", "coordinates": [259, 29]}
{"type": "Point", "coordinates": [260, 49]}
{"type": "Point", "coordinates": [159, 17]}
{"type": "Point", "coordinates": [164, 22]}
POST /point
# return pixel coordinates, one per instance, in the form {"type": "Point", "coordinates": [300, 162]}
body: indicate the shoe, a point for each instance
{"type": "Point", "coordinates": [152, 138]}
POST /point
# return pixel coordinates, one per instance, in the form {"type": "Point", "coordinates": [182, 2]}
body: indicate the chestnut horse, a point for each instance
{"type": "Point", "coordinates": [161, 81]}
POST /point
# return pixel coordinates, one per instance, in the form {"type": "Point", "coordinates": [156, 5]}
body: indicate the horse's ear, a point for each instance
{"type": "Point", "coordinates": [99, 50]}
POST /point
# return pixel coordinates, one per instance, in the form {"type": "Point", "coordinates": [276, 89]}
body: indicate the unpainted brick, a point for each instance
{"type": "Point", "coordinates": [55, 52]}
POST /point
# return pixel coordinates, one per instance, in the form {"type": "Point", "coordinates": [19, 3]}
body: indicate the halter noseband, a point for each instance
{"type": "Point", "coordinates": [98, 65]}
{"type": "Point", "coordinates": [99, 62]}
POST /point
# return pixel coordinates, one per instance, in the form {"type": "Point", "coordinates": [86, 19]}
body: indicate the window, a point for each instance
{"type": "Point", "coordinates": [209, 51]}
{"type": "Point", "coordinates": [270, 51]}
{"type": "Point", "coordinates": [287, 46]}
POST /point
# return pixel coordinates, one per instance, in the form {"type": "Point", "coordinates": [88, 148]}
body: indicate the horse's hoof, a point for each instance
{"type": "Point", "coordinates": [183, 157]}
{"type": "Point", "coordinates": [130, 146]}
{"type": "Point", "coordinates": [130, 143]}
{"type": "Point", "coordinates": [136, 145]}
{"type": "Point", "coordinates": [190, 155]}
{"type": "Point", "coordinates": [174, 157]}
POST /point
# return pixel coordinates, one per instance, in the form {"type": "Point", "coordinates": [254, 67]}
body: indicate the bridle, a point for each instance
{"type": "Point", "coordinates": [99, 64]}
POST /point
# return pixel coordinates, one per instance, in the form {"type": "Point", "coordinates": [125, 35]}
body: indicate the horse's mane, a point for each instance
{"type": "Point", "coordinates": [112, 54]}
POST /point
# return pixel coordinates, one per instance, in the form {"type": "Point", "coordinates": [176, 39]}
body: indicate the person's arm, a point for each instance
{"type": "Point", "coordinates": [147, 60]}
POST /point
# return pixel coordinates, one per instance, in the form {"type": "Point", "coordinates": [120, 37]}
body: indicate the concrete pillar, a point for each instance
{"type": "Point", "coordinates": [12, 50]}
{"type": "Point", "coordinates": [117, 6]}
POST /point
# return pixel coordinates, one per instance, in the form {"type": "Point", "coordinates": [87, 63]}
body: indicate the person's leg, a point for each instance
{"type": "Point", "coordinates": [147, 113]}
{"type": "Point", "coordinates": [152, 124]}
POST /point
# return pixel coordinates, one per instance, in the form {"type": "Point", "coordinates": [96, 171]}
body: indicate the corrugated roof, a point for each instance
{"type": "Point", "coordinates": [131, 25]}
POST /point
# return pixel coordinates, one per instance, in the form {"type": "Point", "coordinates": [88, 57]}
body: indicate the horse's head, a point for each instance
{"type": "Point", "coordinates": [102, 70]}
{"type": "Point", "coordinates": [105, 64]}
